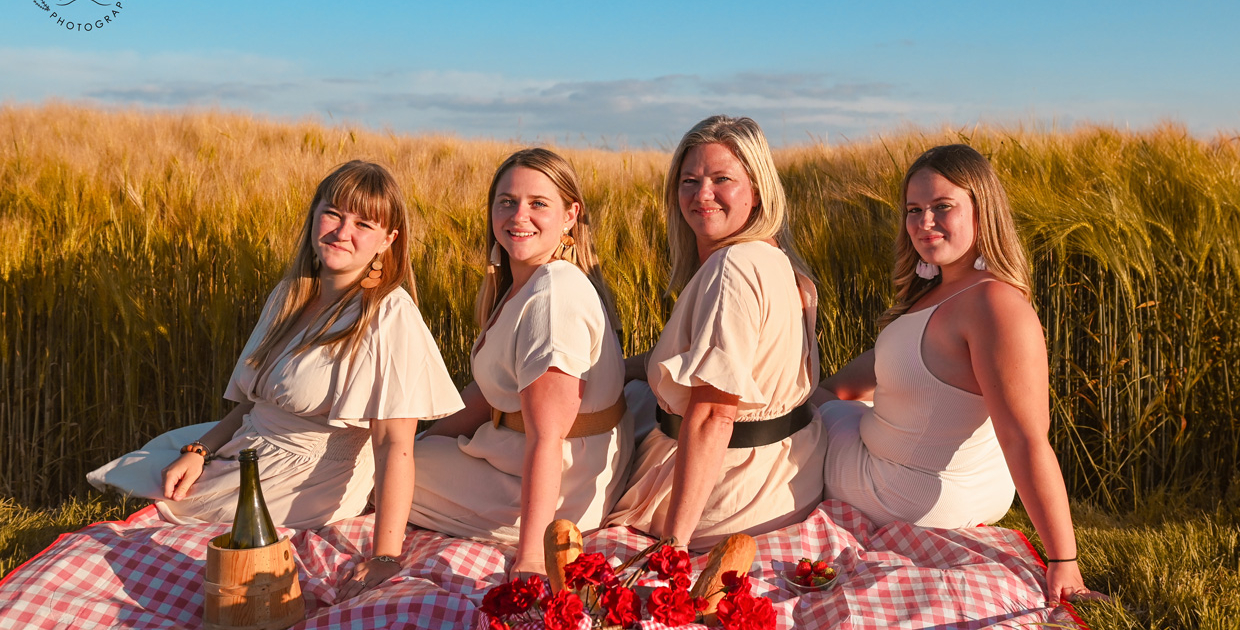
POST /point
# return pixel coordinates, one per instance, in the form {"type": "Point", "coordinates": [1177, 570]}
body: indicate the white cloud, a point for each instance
{"type": "Point", "coordinates": [634, 111]}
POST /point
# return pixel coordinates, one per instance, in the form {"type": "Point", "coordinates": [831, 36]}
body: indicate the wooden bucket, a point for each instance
{"type": "Point", "coordinates": [251, 589]}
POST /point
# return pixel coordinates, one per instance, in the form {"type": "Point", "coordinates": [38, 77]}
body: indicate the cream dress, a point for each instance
{"type": "Point", "coordinates": [310, 423]}
{"type": "Point", "coordinates": [743, 325]}
{"type": "Point", "coordinates": [471, 487]}
{"type": "Point", "coordinates": [926, 453]}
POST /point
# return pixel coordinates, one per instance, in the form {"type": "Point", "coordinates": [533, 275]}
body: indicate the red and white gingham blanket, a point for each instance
{"type": "Point", "coordinates": [148, 573]}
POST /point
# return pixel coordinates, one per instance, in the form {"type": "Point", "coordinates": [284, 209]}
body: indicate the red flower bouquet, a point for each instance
{"type": "Point", "coordinates": [590, 587]}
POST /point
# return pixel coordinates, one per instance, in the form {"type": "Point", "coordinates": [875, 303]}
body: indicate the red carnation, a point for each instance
{"type": "Point", "coordinates": [742, 611]}
{"type": "Point", "coordinates": [499, 601]}
{"type": "Point", "coordinates": [669, 561]}
{"type": "Point", "coordinates": [672, 607]}
{"type": "Point", "coordinates": [589, 568]}
{"type": "Point", "coordinates": [563, 611]}
{"type": "Point", "coordinates": [623, 607]}
{"type": "Point", "coordinates": [513, 598]}
{"type": "Point", "coordinates": [526, 592]}
{"type": "Point", "coordinates": [733, 582]}
{"type": "Point", "coordinates": [497, 624]}
{"type": "Point", "coordinates": [681, 582]}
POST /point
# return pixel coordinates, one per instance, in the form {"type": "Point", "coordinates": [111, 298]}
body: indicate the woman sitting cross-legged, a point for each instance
{"type": "Point", "coordinates": [958, 375]}
{"type": "Point", "coordinates": [544, 433]}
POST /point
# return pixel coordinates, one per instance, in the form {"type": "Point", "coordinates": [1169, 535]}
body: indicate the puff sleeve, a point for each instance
{"type": "Point", "coordinates": [718, 334]}
{"type": "Point", "coordinates": [561, 326]}
{"type": "Point", "coordinates": [397, 372]}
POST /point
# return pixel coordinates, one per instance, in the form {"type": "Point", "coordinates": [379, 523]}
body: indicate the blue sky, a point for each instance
{"type": "Point", "coordinates": [638, 74]}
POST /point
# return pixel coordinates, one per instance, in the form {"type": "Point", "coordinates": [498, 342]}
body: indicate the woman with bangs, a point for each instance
{"type": "Point", "coordinates": [737, 448]}
{"type": "Point", "coordinates": [958, 376]}
{"type": "Point", "coordinates": [330, 386]}
{"type": "Point", "coordinates": [544, 434]}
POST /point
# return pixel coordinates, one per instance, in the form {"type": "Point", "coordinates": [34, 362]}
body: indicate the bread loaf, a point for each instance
{"type": "Point", "coordinates": [735, 553]}
{"type": "Point", "coordinates": [561, 545]}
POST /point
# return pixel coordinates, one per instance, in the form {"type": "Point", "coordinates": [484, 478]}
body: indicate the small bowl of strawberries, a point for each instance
{"type": "Point", "coordinates": [809, 576]}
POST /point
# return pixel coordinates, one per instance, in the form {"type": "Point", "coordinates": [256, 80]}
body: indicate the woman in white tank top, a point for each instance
{"type": "Point", "coordinates": [958, 376]}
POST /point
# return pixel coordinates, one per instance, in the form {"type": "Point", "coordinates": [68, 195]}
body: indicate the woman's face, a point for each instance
{"type": "Point", "coordinates": [345, 243]}
{"type": "Point", "coordinates": [529, 216]}
{"type": "Point", "coordinates": [716, 197]}
{"type": "Point", "coordinates": [940, 219]}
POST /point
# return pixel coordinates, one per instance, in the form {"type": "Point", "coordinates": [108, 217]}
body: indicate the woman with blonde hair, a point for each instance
{"type": "Point", "coordinates": [737, 448]}
{"type": "Point", "coordinates": [544, 433]}
{"type": "Point", "coordinates": [958, 375]}
{"type": "Point", "coordinates": [330, 386]}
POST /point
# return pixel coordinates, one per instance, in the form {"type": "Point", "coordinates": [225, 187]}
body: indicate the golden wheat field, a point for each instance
{"type": "Point", "coordinates": [136, 249]}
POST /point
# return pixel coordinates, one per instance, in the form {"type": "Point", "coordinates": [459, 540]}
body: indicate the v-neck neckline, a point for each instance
{"type": "Point", "coordinates": [285, 351]}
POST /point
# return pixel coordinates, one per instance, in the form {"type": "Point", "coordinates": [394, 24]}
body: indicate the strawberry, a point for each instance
{"type": "Point", "coordinates": [804, 568]}
{"type": "Point", "coordinates": [820, 567]}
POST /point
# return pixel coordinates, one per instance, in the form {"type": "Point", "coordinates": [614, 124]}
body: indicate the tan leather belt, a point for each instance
{"type": "Point", "coordinates": [585, 425]}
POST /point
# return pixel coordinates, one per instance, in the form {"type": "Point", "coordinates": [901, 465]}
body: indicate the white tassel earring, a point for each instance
{"type": "Point", "coordinates": [926, 271]}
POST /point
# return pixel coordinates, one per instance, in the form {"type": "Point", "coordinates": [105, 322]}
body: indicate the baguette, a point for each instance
{"type": "Point", "coordinates": [735, 553]}
{"type": "Point", "coordinates": [561, 545]}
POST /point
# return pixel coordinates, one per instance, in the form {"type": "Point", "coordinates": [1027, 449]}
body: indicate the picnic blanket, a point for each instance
{"type": "Point", "coordinates": [148, 573]}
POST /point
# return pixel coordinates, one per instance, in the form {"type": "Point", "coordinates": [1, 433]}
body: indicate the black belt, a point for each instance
{"type": "Point", "coordinates": [749, 434]}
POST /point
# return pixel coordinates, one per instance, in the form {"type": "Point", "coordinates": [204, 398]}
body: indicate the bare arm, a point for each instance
{"type": "Point", "coordinates": [549, 407]}
{"type": "Point", "coordinates": [854, 381]}
{"type": "Point", "coordinates": [181, 474]}
{"type": "Point", "coordinates": [635, 367]}
{"type": "Point", "coordinates": [392, 441]}
{"type": "Point", "coordinates": [704, 435]}
{"type": "Point", "coordinates": [1008, 355]}
{"type": "Point", "coordinates": [476, 413]}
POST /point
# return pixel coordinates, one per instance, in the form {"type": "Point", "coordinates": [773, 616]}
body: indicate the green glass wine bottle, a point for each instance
{"type": "Point", "coordinates": [252, 527]}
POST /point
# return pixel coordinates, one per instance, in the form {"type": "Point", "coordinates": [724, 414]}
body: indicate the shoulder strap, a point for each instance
{"type": "Point", "coordinates": [942, 301]}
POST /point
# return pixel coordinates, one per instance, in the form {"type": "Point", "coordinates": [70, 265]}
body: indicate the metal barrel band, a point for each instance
{"type": "Point", "coordinates": [280, 583]}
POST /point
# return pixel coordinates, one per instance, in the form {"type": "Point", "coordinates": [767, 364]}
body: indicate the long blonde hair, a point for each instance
{"type": "Point", "coordinates": [499, 276]}
{"type": "Point", "coordinates": [994, 229]}
{"type": "Point", "coordinates": [767, 221]}
{"type": "Point", "coordinates": [369, 191]}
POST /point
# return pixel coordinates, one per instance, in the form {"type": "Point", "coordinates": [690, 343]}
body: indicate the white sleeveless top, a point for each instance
{"type": "Point", "coordinates": [926, 453]}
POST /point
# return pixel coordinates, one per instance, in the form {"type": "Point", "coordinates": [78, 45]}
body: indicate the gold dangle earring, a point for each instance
{"type": "Point", "coordinates": [375, 276]}
{"type": "Point", "coordinates": [567, 249]}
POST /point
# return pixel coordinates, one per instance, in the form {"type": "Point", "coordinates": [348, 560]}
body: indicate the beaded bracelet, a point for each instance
{"type": "Point", "coordinates": [199, 448]}
{"type": "Point", "coordinates": [1072, 559]}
